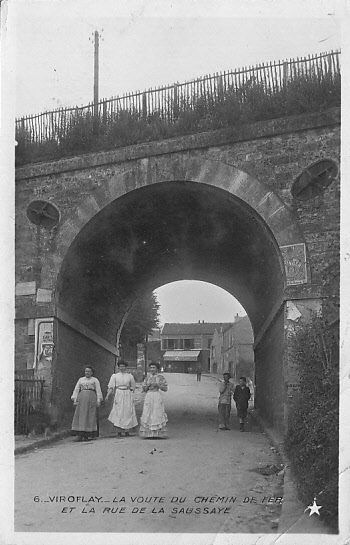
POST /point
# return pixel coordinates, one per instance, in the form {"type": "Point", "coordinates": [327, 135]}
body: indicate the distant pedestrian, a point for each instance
{"type": "Point", "coordinates": [199, 372]}
{"type": "Point", "coordinates": [242, 396]}
{"type": "Point", "coordinates": [226, 391]}
{"type": "Point", "coordinates": [87, 397]}
{"type": "Point", "coordinates": [153, 422]}
{"type": "Point", "coordinates": [122, 415]}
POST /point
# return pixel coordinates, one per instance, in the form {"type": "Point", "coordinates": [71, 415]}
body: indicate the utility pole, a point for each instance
{"type": "Point", "coordinates": [96, 40]}
{"type": "Point", "coordinates": [96, 44]}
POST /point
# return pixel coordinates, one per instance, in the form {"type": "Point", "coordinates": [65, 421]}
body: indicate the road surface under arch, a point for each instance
{"type": "Point", "coordinates": [199, 480]}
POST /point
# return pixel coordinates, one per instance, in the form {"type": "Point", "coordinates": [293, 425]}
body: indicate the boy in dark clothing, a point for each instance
{"type": "Point", "coordinates": [241, 396]}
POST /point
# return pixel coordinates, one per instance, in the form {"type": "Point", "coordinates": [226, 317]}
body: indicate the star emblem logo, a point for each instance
{"type": "Point", "coordinates": [314, 508]}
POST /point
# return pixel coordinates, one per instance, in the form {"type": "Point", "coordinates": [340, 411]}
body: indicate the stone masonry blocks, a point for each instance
{"type": "Point", "coordinates": [258, 164]}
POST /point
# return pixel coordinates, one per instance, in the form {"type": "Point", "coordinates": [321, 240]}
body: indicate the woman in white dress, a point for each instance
{"type": "Point", "coordinates": [87, 397]}
{"type": "Point", "coordinates": [123, 414]}
{"type": "Point", "coordinates": [154, 419]}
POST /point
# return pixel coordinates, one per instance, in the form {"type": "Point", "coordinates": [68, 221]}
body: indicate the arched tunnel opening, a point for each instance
{"type": "Point", "coordinates": [179, 340]}
{"type": "Point", "coordinates": [152, 236]}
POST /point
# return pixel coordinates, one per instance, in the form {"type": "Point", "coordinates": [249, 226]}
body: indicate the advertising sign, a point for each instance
{"type": "Point", "coordinates": [44, 344]}
{"type": "Point", "coordinates": [294, 256]}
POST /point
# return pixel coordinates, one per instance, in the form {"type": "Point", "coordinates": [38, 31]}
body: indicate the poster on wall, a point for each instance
{"type": "Point", "coordinates": [294, 256]}
{"type": "Point", "coordinates": [44, 344]}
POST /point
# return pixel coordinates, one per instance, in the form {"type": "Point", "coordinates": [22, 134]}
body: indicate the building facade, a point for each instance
{"type": "Point", "coordinates": [232, 349]}
{"type": "Point", "coordinates": [187, 346]}
{"type": "Point", "coordinates": [216, 352]}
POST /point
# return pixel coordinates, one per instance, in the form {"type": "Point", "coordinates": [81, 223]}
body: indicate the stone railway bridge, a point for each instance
{"type": "Point", "coordinates": [216, 207]}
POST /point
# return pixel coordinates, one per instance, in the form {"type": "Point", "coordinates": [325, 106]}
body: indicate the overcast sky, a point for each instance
{"type": "Point", "coordinates": [190, 301]}
{"type": "Point", "coordinates": [151, 43]}
{"type": "Point", "coordinates": [145, 47]}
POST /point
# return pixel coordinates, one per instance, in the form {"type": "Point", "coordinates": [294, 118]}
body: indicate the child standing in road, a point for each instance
{"type": "Point", "coordinates": [242, 396]}
{"type": "Point", "coordinates": [224, 407]}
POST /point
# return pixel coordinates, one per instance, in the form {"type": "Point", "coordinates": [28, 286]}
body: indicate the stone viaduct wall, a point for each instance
{"type": "Point", "coordinates": [271, 153]}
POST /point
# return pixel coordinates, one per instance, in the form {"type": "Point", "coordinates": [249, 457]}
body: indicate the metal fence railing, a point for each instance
{"type": "Point", "coordinates": [29, 401]}
{"type": "Point", "coordinates": [166, 102]}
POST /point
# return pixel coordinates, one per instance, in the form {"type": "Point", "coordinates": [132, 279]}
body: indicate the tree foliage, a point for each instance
{"type": "Point", "coordinates": [142, 318]}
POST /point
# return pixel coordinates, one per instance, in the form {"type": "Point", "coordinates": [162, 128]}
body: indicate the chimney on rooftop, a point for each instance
{"type": "Point", "coordinates": [202, 321]}
{"type": "Point", "coordinates": [199, 321]}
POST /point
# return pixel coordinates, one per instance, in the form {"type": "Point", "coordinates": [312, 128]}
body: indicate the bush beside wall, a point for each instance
{"type": "Point", "coordinates": [312, 443]}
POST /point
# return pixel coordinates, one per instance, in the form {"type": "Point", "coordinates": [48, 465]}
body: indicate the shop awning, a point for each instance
{"type": "Point", "coordinates": [181, 355]}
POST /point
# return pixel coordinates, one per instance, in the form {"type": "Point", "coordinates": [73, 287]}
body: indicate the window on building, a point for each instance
{"type": "Point", "coordinates": [188, 344]}
{"type": "Point", "coordinates": [209, 341]}
{"type": "Point", "coordinates": [171, 344]}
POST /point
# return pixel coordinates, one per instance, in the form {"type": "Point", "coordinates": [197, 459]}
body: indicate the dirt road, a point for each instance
{"type": "Point", "coordinates": [200, 479]}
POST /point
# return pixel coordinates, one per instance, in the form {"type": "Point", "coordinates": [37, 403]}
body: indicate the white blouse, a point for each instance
{"type": "Point", "coordinates": [85, 383]}
{"type": "Point", "coordinates": [122, 381]}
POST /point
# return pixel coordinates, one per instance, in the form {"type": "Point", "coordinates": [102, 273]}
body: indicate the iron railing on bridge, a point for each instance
{"type": "Point", "coordinates": [29, 401]}
{"type": "Point", "coordinates": [168, 101]}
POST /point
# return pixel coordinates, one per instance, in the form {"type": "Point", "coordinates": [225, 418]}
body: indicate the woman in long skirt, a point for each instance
{"type": "Point", "coordinates": [154, 418]}
{"type": "Point", "coordinates": [123, 414]}
{"type": "Point", "coordinates": [87, 397]}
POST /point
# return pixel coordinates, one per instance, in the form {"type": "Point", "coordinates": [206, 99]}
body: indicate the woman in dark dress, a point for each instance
{"type": "Point", "coordinates": [87, 397]}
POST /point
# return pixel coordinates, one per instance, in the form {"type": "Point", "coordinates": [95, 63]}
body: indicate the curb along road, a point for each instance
{"type": "Point", "coordinates": [293, 518]}
{"type": "Point", "coordinates": [37, 443]}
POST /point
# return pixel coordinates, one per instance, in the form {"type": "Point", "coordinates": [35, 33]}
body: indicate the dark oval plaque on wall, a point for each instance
{"type": "Point", "coordinates": [314, 179]}
{"type": "Point", "coordinates": [43, 213]}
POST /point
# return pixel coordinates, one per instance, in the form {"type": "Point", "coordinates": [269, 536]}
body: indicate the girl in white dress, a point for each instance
{"type": "Point", "coordinates": [123, 414]}
{"type": "Point", "coordinates": [154, 418]}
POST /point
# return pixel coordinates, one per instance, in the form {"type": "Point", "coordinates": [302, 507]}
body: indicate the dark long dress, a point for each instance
{"type": "Point", "coordinates": [87, 393]}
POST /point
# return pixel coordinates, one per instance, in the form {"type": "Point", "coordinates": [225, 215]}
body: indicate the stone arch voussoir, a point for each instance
{"type": "Point", "coordinates": [148, 171]}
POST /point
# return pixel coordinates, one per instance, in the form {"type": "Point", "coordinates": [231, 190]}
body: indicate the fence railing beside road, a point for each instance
{"type": "Point", "coordinates": [166, 102]}
{"type": "Point", "coordinates": [29, 400]}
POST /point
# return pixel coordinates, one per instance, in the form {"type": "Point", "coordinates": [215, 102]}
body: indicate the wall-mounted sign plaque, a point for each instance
{"type": "Point", "coordinates": [294, 256]}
